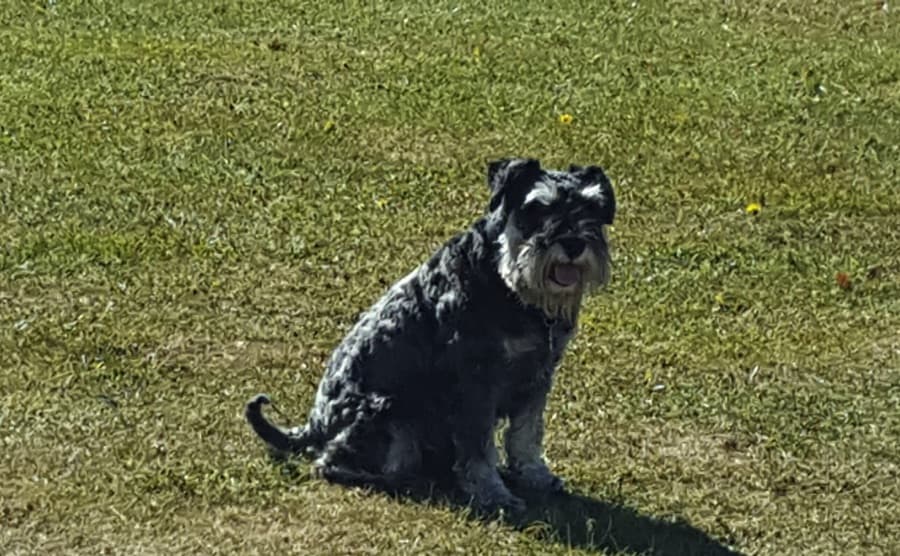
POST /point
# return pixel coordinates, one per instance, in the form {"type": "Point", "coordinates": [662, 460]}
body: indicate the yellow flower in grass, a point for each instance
{"type": "Point", "coordinates": [753, 209]}
{"type": "Point", "coordinates": [566, 119]}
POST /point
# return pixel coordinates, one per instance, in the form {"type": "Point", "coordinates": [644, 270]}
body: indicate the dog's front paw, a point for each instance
{"type": "Point", "coordinates": [488, 494]}
{"type": "Point", "coordinates": [494, 502]}
{"type": "Point", "coordinates": [535, 476]}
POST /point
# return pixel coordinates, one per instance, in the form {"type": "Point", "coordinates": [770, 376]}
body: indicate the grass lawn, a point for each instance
{"type": "Point", "coordinates": [198, 198]}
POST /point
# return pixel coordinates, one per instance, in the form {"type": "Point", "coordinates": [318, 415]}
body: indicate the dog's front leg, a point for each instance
{"type": "Point", "coordinates": [476, 454]}
{"type": "Point", "coordinates": [524, 447]}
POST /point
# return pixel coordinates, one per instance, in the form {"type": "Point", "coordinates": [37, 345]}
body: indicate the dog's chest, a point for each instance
{"type": "Point", "coordinates": [532, 350]}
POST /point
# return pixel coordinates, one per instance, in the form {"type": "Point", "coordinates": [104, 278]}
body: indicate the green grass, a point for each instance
{"type": "Point", "coordinates": [198, 199]}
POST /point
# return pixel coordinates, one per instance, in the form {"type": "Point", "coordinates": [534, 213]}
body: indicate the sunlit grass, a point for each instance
{"type": "Point", "coordinates": [197, 199]}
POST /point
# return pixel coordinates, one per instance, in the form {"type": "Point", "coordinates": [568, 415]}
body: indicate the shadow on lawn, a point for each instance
{"type": "Point", "coordinates": [587, 523]}
{"type": "Point", "coordinates": [578, 521]}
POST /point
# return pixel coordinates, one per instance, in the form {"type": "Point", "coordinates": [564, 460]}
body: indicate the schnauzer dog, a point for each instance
{"type": "Point", "coordinates": [470, 337]}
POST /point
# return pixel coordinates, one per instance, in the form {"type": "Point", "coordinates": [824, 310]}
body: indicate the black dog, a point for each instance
{"type": "Point", "coordinates": [470, 337]}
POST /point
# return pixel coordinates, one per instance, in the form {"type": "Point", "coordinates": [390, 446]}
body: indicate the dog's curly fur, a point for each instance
{"type": "Point", "coordinates": [471, 336]}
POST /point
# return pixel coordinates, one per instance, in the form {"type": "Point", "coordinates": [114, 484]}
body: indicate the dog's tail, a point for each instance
{"type": "Point", "coordinates": [295, 441]}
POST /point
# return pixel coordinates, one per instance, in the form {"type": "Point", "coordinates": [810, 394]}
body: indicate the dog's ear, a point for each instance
{"type": "Point", "coordinates": [596, 187]}
{"type": "Point", "coordinates": [510, 178]}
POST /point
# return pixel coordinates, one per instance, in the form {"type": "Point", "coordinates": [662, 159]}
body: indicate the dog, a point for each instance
{"type": "Point", "coordinates": [469, 338]}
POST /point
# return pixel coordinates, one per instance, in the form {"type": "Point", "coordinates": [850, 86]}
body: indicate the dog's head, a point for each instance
{"type": "Point", "coordinates": [552, 244]}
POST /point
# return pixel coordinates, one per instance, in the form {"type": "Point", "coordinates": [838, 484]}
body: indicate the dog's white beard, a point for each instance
{"type": "Point", "coordinates": [524, 269]}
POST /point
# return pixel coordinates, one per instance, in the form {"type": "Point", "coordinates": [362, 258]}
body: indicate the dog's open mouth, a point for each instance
{"type": "Point", "coordinates": [565, 275]}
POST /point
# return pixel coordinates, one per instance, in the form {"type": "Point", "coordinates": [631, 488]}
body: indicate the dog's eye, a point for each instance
{"type": "Point", "coordinates": [534, 211]}
{"type": "Point", "coordinates": [592, 228]}
{"type": "Point", "coordinates": [531, 216]}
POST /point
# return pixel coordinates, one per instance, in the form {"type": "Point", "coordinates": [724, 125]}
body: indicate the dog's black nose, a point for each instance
{"type": "Point", "coordinates": [572, 246]}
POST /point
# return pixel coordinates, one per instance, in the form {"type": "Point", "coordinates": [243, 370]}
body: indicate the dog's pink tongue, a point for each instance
{"type": "Point", "coordinates": [566, 274]}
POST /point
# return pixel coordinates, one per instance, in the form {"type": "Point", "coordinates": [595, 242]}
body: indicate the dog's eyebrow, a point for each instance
{"type": "Point", "coordinates": [593, 192]}
{"type": "Point", "coordinates": [543, 193]}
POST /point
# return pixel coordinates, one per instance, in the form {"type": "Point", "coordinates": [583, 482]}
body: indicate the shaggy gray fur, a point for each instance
{"type": "Point", "coordinates": [470, 337]}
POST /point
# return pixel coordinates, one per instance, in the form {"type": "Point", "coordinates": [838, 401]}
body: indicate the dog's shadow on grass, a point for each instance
{"type": "Point", "coordinates": [588, 523]}
{"type": "Point", "coordinates": [577, 521]}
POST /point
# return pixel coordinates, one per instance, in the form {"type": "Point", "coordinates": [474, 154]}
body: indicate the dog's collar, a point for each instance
{"type": "Point", "coordinates": [557, 328]}
{"type": "Point", "coordinates": [557, 322]}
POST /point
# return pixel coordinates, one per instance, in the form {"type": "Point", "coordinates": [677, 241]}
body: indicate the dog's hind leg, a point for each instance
{"type": "Point", "coordinates": [404, 453]}
{"type": "Point", "coordinates": [361, 455]}
{"type": "Point", "coordinates": [391, 483]}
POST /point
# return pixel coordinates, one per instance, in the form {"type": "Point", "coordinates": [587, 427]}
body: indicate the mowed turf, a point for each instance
{"type": "Point", "coordinates": [198, 198]}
